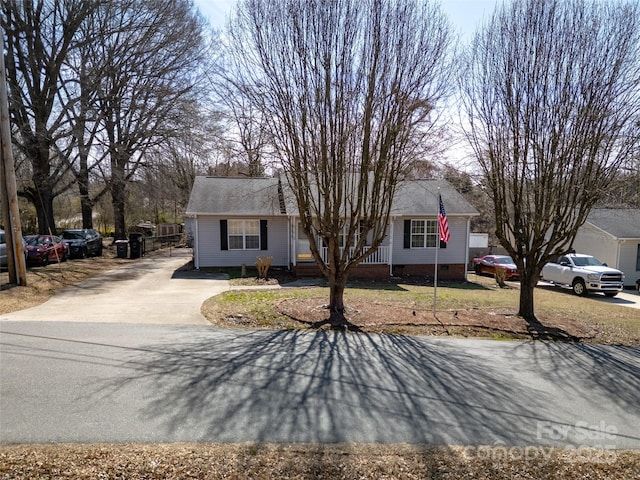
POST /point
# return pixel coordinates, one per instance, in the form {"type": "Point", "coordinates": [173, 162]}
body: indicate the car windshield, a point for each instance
{"type": "Point", "coordinates": [504, 260]}
{"type": "Point", "coordinates": [586, 262]}
{"type": "Point", "coordinates": [72, 235]}
{"type": "Point", "coordinates": [33, 241]}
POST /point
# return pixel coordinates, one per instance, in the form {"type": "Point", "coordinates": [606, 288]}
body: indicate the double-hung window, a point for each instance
{"type": "Point", "coordinates": [244, 234]}
{"type": "Point", "coordinates": [424, 233]}
{"type": "Point", "coordinates": [342, 238]}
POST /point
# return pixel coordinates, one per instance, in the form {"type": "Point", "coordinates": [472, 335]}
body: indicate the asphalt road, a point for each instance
{"type": "Point", "coordinates": [118, 382]}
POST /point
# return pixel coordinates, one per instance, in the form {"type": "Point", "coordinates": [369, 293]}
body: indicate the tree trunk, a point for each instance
{"type": "Point", "coordinates": [86, 204]}
{"type": "Point", "coordinates": [43, 184]}
{"type": "Point", "coordinates": [337, 285]}
{"type": "Point", "coordinates": [117, 201]}
{"type": "Point", "coordinates": [82, 176]}
{"type": "Point", "coordinates": [528, 282]}
{"type": "Point", "coordinates": [87, 209]}
{"type": "Point", "coordinates": [43, 203]}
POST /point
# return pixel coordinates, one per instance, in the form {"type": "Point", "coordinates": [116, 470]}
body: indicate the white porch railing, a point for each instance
{"type": "Point", "coordinates": [380, 256]}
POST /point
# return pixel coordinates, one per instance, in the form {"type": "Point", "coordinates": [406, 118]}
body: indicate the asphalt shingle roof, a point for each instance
{"type": "Point", "coordinates": [259, 196]}
{"type": "Point", "coordinates": [420, 197]}
{"type": "Point", "coordinates": [621, 223]}
{"type": "Point", "coordinates": [234, 196]}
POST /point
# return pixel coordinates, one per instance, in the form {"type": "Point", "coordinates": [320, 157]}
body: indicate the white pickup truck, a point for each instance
{"type": "Point", "coordinates": [584, 274]}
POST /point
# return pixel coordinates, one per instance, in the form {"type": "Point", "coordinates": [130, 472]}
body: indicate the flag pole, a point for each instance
{"type": "Point", "coordinates": [435, 270]}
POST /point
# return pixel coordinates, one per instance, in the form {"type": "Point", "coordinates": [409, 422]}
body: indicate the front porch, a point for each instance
{"type": "Point", "coordinates": [380, 257]}
{"type": "Point", "coordinates": [375, 265]}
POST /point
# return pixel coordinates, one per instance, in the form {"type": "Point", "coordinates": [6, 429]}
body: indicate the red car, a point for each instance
{"type": "Point", "coordinates": [489, 263]}
{"type": "Point", "coordinates": [43, 249]}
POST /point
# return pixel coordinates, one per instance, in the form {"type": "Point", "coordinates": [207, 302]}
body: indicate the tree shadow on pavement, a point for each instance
{"type": "Point", "coordinates": [289, 386]}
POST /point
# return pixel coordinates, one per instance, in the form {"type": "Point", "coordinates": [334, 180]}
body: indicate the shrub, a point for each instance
{"type": "Point", "coordinates": [501, 276]}
{"type": "Point", "coordinates": [263, 264]}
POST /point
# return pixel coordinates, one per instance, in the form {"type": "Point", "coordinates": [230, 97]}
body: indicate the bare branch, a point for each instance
{"type": "Point", "coordinates": [552, 92]}
{"type": "Point", "coordinates": [345, 86]}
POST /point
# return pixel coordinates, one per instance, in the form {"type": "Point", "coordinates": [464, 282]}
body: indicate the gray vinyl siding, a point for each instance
{"type": "Point", "coordinates": [628, 262]}
{"type": "Point", "coordinates": [456, 251]}
{"type": "Point", "coordinates": [210, 253]}
{"type": "Point", "coordinates": [593, 241]}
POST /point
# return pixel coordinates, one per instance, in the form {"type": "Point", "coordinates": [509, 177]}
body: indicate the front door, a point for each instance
{"type": "Point", "coordinates": [303, 251]}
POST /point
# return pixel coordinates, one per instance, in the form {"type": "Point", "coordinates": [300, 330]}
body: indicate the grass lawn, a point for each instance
{"type": "Point", "coordinates": [474, 308]}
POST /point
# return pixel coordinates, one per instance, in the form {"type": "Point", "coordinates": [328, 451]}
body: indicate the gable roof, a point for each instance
{"type": "Point", "coordinates": [234, 196]}
{"type": "Point", "coordinates": [259, 196]}
{"type": "Point", "coordinates": [420, 197]}
{"type": "Point", "coordinates": [619, 223]}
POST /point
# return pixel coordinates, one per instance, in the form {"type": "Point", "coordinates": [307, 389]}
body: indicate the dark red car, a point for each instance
{"type": "Point", "coordinates": [42, 249]}
{"type": "Point", "coordinates": [489, 263]}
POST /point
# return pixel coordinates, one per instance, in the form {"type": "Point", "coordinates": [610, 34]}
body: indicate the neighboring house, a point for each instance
{"type": "Point", "coordinates": [232, 221]}
{"type": "Point", "coordinates": [613, 236]}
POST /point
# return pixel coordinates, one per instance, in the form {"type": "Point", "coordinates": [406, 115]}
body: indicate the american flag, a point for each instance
{"type": "Point", "coordinates": [443, 225]}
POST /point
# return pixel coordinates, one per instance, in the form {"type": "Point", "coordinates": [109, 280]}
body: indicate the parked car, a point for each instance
{"type": "Point", "coordinates": [583, 274]}
{"type": "Point", "coordinates": [489, 263]}
{"type": "Point", "coordinates": [83, 242]}
{"type": "Point", "coordinates": [42, 249]}
{"type": "Point", "coordinates": [3, 250]}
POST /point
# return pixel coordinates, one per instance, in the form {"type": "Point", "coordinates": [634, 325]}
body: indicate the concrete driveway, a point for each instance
{"type": "Point", "coordinates": [153, 290]}
{"type": "Point", "coordinates": [628, 298]}
{"type": "Point", "coordinates": [625, 299]}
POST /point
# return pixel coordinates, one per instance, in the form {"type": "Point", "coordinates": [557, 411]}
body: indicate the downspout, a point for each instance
{"type": "Point", "coordinates": [196, 245]}
{"type": "Point", "coordinates": [619, 243]}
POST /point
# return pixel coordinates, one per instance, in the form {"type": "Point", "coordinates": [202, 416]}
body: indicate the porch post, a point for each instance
{"type": "Point", "coordinates": [391, 248]}
{"type": "Point", "coordinates": [293, 238]}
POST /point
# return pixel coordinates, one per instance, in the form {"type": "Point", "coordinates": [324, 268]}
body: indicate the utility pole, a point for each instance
{"type": "Point", "coordinates": [16, 263]}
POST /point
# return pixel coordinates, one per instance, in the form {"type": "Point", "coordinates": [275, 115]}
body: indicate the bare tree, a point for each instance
{"type": "Point", "coordinates": [347, 87]}
{"type": "Point", "coordinates": [83, 72]}
{"type": "Point", "coordinates": [624, 190]}
{"type": "Point", "coordinates": [246, 136]}
{"type": "Point", "coordinates": [475, 193]}
{"type": "Point", "coordinates": [150, 64]}
{"type": "Point", "coordinates": [40, 35]}
{"type": "Point", "coordinates": [171, 168]}
{"type": "Point", "coordinates": [552, 93]}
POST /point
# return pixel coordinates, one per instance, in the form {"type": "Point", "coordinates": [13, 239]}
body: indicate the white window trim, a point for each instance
{"type": "Point", "coordinates": [427, 234]}
{"type": "Point", "coordinates": [244, 233]}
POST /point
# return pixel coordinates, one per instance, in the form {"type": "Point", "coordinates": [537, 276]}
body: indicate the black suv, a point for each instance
{"type": "Point", "coordinates": [83, 242]}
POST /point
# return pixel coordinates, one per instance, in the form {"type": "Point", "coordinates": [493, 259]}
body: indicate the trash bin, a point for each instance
{"type": "Point", "coordinates": [121, 248]}
{"type": "Point", "coordinates": [136, 245]}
